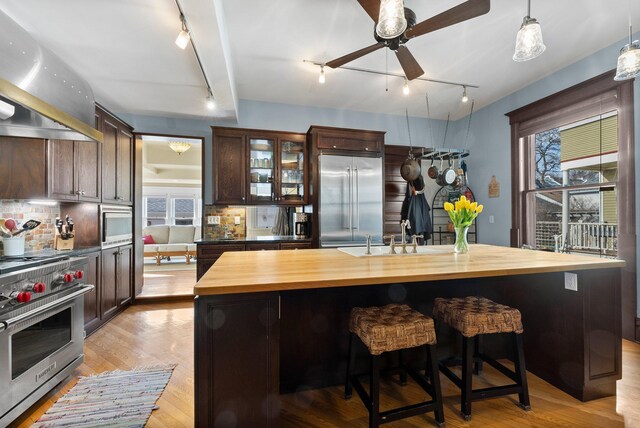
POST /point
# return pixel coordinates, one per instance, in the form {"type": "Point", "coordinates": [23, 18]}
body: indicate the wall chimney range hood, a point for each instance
{"type": "Point", "coordinates": [41, 96]}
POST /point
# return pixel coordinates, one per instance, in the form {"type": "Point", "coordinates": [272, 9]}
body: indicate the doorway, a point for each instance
{"type": "Point", "coordinates": [171, 204]}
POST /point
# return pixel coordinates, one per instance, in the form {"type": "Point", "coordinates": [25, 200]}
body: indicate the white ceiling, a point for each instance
{"type": "Point", "coordinates": [253, 49]}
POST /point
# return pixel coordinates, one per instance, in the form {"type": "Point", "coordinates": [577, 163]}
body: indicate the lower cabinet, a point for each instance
{"type": "Point", "coordinates": [111, 273]}
{"type": "Point", "coordinates": [208, 254]}
{"type": "Point", "coordinates": [92, 300]}
{"type": "Point", "coordinates": [237, 344]}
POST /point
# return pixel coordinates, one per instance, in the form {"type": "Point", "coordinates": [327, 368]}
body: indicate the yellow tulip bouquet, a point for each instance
{"type": "Point", "coordinates": [462, 213]}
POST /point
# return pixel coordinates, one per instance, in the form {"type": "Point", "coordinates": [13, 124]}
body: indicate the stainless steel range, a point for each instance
{"type": "Point", "coordinates": [41, 328]}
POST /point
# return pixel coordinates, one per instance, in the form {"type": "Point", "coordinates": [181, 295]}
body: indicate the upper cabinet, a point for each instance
{"type": "Point", "coordinates": [117, 156]}
{"type": "Point", "coordinates": [259, 167]}
{"type": "Point", "coordinates": [343, 139]}
{"type": "Point", "coordinates": [74, 173]}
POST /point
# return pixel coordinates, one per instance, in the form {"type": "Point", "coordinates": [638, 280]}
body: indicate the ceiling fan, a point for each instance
{"type": "Point", "coordinates": [462, 12]}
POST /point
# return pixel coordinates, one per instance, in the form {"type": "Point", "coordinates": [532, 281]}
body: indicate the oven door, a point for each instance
{"type": "Point", "coordinates": [39, 346]}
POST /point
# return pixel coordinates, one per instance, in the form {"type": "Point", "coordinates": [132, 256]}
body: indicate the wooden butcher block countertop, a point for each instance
{"type": "Point", "coordinates": [256, 271]}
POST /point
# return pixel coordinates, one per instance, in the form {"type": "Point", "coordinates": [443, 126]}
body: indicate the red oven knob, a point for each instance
{"type": "Point", "coordinates": [23, 296]}
{"type": "Point", "coordinates": [79, 274]}
{"type": "Point", "coordinates": [39, 287]}
{"type": "Point", "coordinates": [67, 277]}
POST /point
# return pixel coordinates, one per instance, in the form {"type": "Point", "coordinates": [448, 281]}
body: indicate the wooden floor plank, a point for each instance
{"type": "Point", "coordinates": [163, 333]}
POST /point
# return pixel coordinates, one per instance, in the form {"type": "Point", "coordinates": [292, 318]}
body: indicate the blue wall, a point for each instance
{"type": "Point", "coordinates": [285, 117]}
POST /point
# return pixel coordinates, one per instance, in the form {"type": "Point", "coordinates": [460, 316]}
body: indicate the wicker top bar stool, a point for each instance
{"type": "Point", "coordinates": [473, 317]}
{"type": "Point", "coordinates": [394, 327]}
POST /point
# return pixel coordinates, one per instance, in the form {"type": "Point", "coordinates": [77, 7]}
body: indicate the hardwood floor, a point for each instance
{"type": "Point", "coordinates": [163, 333]}
{"type": "Point", "coordinates": [168, 283]}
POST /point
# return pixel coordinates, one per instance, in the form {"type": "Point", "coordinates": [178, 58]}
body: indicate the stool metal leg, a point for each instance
{"type": "Point", "coordinates": [348, 387]}
{"type": "Point", "coordinates": [434, 379]}
{"type": "Point", "coordinates": [403, 372]}
{"type": "Point", "coordinates": [374, 392]}
{"type": "Point", "coordinates": [467, 377]}
{"type": "Point", "coordinates": [477, 369]}
{"type": "Point", "coordinates": [521, 373]}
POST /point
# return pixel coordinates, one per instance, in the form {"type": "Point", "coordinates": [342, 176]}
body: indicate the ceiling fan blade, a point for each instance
{"type": "Point", "coordinates": [354, 55]}
{"type": "Point", "coordinates": [372, 7]}
{"type": "Point", "coordinates": [462, 12]}
{"type": "Point", "coordinates": [409, 64]}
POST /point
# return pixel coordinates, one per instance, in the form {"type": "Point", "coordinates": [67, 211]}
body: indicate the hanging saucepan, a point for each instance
{"type": "Point", "coordinates": [433, 172]}
{"type": "Point", "coordinates": [410, 168]}
{"type": "Point", "coordinates": [449, 174]}
{"type": "Point", "coordinates": [439, 178]}
{"type": "Point", "coordinates": [458, 180]}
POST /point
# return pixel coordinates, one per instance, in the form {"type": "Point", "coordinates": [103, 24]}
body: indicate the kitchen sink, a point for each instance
{"type": "Point", "coordinates": [385, 251]}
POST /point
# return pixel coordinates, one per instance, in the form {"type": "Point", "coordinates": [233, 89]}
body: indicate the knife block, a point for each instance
{"type": "Point", "coordinates": [63, 244]}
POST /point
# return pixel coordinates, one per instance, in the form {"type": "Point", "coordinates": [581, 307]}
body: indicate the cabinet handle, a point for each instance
{"type": "Point", "coordinates": [77, 192]}
{"type": "Point", "coordinates": [82, 192]}
{"type": "Point", "coordinates": [243, 198]}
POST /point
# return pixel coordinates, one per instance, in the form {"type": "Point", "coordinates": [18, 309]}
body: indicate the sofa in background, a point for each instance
{"type": "Point", "coordinates": [171, 241]}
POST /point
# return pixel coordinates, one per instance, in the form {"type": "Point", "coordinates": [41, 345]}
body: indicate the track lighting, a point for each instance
{"type": "Point", "coordinates": [405, 87]}
{"type": "Point", "coordinates": [529, 42]}
{"type": "Point", "coordinates": [211, 101]}
{"type": "Point", "coordinates": [465, 98]}
{"type": "Point", "coordinates": [321, 78]}
{"type": "Point", "coordinates": [183, 38]}
{"type": "Point", "coordinates": [629, 59]}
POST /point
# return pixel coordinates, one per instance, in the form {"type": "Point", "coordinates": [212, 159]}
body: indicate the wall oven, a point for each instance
{"type": "Point", "coordinates": [116, 225]}
{"type": "Point", "coordinates": [41, 332]}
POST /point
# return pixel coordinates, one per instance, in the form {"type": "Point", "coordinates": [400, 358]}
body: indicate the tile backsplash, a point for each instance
{"type": "Point", "coordinates": [227, 218]}
{"type": "Point", "coordinates": [21, 211]}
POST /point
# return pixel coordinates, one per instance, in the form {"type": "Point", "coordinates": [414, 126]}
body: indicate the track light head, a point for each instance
{"type": "Point", "coordinates": [321, 78]}
{"type": "Point", "coordinates": [465, 98]}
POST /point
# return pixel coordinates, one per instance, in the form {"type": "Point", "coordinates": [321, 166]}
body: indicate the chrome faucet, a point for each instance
{"type": "Point", "coordinates": [392, 243]}
{"type": "Point", "coordinates": [404, 225]}
{"type": "Point", "coordinates": [414, 242]}
{"type": "Point", "coordinates": [368, 253]}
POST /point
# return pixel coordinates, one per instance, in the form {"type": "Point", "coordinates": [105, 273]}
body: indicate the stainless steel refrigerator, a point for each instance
{"type": "Point", "coordinates": [350, 200]}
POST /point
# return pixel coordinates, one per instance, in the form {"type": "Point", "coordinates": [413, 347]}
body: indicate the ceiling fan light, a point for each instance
{"type": "Point", "coordinates": [628, 62]}
{"type": "Point", "coordinates": [179, 146]}
{"type": "Point", "coordinates": [183, 39]}
{"type": "Point", "coordinates": [391, 21]}
{"type": "Point", "coordinates": [529, 43]}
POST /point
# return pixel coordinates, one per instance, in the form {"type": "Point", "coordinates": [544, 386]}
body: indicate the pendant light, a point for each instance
{"type": "Point", "coordinates": [391, 21]}
{"type": "Point", "coordinates": [529, 42]}
{"type": "Point", "coordinates": [629, 59]}
{"type": "Point", "coordinates": [405, 88]}
{"type": "Point", "coordinates": [321, 78]}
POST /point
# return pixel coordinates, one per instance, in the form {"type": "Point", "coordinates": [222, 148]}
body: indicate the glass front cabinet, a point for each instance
{"type": "Point", "coordinates": [277, 168]}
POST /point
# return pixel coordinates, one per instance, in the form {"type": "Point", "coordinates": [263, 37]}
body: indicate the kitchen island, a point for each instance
{"type": "Point", "coordinates": [274, 322]}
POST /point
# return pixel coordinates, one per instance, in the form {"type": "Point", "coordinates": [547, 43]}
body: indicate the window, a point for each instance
{"type": "Point", "coordinates": [172, 210]}
{"type": "Point", "coordinates": [582, 156]}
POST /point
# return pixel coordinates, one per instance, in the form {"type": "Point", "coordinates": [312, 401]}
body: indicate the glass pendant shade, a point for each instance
{"type": "Point", "coordinates": [628, 62]}
{"type": "Point", "coordinates": [179, 146]}
{"type": "Point", "coordinates": [391, 21]}
{"type": "Point", "coordinates": [529, 42]}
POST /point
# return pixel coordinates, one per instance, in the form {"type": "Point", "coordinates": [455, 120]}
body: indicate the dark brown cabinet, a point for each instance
{"type": "Point", "coordinates": [353, 140]}
{"type": "Point", "coordinates": [226, 363]}
{"type": "Point", "coordinates": [116, 280]}
{"type": "Point", "coordinates": [92, 299]}
{"type": "Point", "coordinates": [259, 167]}
{"type": "Point", "coordinates": [262, 247]}
{"type": "Point", "coordinates": [74, 170]}
{"type": "Point", "coordinates": [295, 246]}
{"type": "Point", "coordinates": [228, 166]}
{"type": "Point", "coordinates": [117, 159]}
{"type": "Point", "coordinates": [23, 162]}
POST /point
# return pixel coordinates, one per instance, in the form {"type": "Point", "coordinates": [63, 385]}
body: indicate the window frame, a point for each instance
{"type": "Point", "coordinates": [589, 98]}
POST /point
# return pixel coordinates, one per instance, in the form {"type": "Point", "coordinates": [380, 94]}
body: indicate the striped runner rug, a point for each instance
{"type": "Point", "coordinates": [110, 399]}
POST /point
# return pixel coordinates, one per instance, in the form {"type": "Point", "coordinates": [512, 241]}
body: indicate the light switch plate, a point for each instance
{"type": "Point", "coordinates": [491, 219]}
{"type": "Point", "coordinates": [237, 219]}
{"type": "Point", "coordinates": [571, 281]}
{"type": "Point", "coordinates": [213, 219]}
